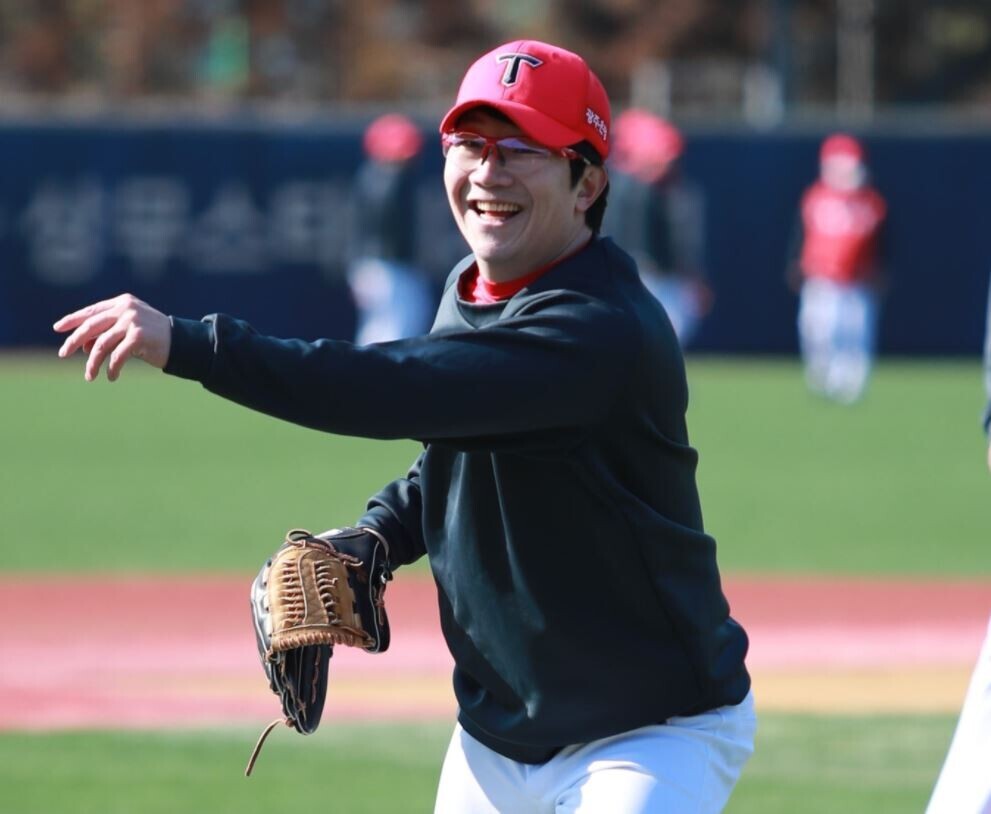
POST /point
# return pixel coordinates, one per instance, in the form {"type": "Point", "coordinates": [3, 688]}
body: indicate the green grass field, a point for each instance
{"type": "Point", "coordinates": [802, 765]}
{"type": "Point", "coordinates": [153, 474]}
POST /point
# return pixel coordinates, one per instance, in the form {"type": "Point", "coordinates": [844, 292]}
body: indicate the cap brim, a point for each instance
{"type": "Point", "coordinates": [533, 123]}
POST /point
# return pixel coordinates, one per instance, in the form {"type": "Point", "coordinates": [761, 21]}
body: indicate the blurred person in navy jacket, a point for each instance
{"type": "Point", "coordinates": [393, 298]}
{"type": "Point", "coordinates": [657, 215]}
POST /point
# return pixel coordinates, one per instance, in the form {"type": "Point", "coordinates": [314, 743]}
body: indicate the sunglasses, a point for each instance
{"type": "Point", "coordinates": [519, 155]}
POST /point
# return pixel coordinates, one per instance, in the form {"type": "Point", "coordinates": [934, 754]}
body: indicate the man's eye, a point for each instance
{"type": "Point", "coordinates": [521, 148]}
{"type": "Point", "coordinates": [468, 143]}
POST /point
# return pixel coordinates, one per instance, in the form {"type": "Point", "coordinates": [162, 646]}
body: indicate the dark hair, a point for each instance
{"type": "Point", "coordinates": [595, 213]}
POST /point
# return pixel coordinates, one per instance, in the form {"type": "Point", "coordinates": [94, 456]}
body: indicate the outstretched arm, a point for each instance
{"type": "Point", "coordinates": [120, 328]}
{"type": "Point", "coordinates": [557, 365]}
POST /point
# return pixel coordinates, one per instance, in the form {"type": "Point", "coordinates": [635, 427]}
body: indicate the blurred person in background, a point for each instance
{"type": "Point", "coordinates": [394, 299]}
{"type": "Point", "coordinates": [964, 782]}
{"type": "Point", "coordinates": [657, 215]}
{"type": "Point", "coordinates": [838, 271]}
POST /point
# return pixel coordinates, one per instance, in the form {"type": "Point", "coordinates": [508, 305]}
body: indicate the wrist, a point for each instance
{"type": "Point", "coordinates": [365, 543]}
{"type": "Point", "coordinates": [381, 538]}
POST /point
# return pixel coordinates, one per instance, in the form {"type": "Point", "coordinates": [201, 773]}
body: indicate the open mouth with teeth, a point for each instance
{"type": "Point", "coordinates": [495, 210]}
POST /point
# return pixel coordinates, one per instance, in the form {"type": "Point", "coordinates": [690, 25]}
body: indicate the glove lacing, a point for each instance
{"type": "Point", "coordinates": [261, 740]}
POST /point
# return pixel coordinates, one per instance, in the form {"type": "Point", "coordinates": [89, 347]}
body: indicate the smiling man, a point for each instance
{"type": "Point", "coordinates": [506, 194]}
{"type": "Point", "coordinates": [597, 668]}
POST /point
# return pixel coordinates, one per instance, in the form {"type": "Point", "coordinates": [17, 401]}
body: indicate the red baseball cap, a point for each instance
{"type": "Point", "coordinates": [640, 136]}
{"type": "Point", "coordinates": [392, 137]}
{"type": "Point", "coordinates": [549, 93]}
{"type": "Point", "coordinates": [841, 144]}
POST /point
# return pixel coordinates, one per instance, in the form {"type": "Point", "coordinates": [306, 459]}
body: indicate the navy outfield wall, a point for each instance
{"type": "Point", "coordinates": [252, 219]}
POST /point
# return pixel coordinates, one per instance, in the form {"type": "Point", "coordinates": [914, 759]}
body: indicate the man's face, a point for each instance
{"type": "Point", "coordinates": [515, 223]}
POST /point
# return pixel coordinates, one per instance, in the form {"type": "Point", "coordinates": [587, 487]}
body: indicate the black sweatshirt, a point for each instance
{"type": "Point", "coordinates": [555, 495]}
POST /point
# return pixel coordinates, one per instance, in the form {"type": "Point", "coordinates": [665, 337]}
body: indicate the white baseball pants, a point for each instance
{"type": "Point", "coordinates": [680, 300]}
{"type": "Point", "coordinates": [686, 765]}
{"type": "Point", "coordinates": [964, 783]}
{"type": "Point", "coordinates": [837, 324]}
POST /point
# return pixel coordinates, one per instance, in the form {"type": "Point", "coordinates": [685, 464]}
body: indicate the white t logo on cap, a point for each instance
{"type": "Point", "coordinates": [512, 73]}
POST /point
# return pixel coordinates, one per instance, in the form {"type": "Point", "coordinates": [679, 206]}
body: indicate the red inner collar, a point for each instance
{"type": "Point", "coordinates": [473, 287]}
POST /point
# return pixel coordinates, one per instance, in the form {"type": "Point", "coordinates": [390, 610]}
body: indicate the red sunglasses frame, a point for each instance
{"type": "Point", "coordinates": [492, 144]}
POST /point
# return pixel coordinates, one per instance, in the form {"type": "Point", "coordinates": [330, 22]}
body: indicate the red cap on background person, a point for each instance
{"type": "Point", "coordinates": [645, 145]}
{"type": "Point", "coordinates": [549, 93]}
{"type": "Point", "coordinates": [841, 145]}
{"type": "Point", "coordinates": [392, 137]}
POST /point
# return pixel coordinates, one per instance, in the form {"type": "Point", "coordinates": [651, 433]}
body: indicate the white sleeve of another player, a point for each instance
{"type": "Point", "coordinates": [964, 783]}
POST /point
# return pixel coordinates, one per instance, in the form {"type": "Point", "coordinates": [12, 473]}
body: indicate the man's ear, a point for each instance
{"type": "Point", "coordinates": [590, 187]}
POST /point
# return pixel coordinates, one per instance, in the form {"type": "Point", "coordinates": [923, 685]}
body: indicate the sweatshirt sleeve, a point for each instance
{"type": "Point", "coordinates": [559, 365]}
{"type": "Point", "coordinates": [396, 513]}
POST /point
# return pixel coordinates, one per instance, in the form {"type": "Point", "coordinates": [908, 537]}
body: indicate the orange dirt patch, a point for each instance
{"type": "Point", "coordinates": [142, 651]}
{"type": "Point", "coordinates": [861, 646]}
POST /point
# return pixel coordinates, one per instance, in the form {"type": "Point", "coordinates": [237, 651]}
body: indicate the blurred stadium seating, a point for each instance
{"type": "Point", "coordinates": [198, 152]}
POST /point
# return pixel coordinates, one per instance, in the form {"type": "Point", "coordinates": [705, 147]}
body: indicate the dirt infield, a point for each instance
{"type": "Point", "coordinates": [123, 652]}
{"type": "Point", "coordinates": [861, 646]}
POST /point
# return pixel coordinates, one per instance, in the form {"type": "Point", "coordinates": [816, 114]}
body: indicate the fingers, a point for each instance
{"type": "Point", "coordinates": [73, 320]}
{"type": "Point", "coordinates": [87, 332]}
{"type": "Point", "coordinates": [107, 342]}
{"type": "Point", "coordinates": [115, 330]}
{"type": "Point", "coordinates": [125, 349]}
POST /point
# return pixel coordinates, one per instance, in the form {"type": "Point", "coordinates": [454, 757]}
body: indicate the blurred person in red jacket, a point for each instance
{"type": "Point", "coordinates": [838, 271]}
{"type": "Point", "coordinates": [657, 215]}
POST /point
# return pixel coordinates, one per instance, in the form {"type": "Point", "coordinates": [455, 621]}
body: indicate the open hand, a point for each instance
{"type": "Point", "coordinates": [119, 328]}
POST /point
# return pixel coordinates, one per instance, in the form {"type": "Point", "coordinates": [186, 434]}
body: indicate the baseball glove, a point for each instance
{"type": "Point", "coordinates": [312, 594]}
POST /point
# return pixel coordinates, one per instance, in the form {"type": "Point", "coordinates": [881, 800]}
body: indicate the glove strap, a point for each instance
{"type": "Point", "coordinates": [385, 544]}
{"type": "Point", "coordinates": [258, 746]}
